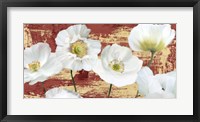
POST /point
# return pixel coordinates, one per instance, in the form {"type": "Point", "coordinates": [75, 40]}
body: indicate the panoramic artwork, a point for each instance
{"type": "Point", "coordinates": [100, 61]}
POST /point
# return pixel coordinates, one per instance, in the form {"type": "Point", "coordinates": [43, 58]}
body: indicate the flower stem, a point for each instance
{"type": "Point", "coordinates": [109, 90]}
{"type": "Point", "coordinates": [152, 55]}
{"type": "Point", "coordinates": [73, 80]}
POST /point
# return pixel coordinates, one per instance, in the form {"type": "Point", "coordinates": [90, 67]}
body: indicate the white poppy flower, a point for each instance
{"type": "Point", "coordinates": [118, 66]}
{"type": "Point", "coordinates": [75, 50]}
{"type": "Point", "coordinates": [158, 86]}
{"type": "Point", "coordinates": [150, 37]}
{"type": "Point", "coordinates": [61, 93]}
{"type": "Point", "coordinates": [40, 63]}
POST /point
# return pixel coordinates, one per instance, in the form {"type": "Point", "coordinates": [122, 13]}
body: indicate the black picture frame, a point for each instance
{"type": "Point", "coordinates": [4, 4]}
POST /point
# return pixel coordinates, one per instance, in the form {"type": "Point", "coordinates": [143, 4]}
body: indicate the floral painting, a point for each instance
{"type": "Point", "coordinates": [100, 61]}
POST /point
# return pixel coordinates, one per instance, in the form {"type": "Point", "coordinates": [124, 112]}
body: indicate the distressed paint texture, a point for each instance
{"type": "Point", "coordinates": [89, 84]}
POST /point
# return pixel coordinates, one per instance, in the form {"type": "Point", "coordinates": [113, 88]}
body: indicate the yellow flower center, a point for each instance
{"type": "Point", "coordinates": [79, 48]}
{"type": "Point", "coordinates": [151, 45]}
{"type": "Point", "coordinates": [117, 66]}
{"type": "Point", "coordinates": [34, 66]}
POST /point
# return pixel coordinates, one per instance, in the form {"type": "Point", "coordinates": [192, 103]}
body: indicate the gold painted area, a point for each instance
{"type": "Point", "coordinates": [164, 61]}
{"type": "Point", "coordinates": [99, 89]}
{"type": "Point", "coordinates": [63, 75]}
{"type": "Point", "coordinates": [118, 36]}
{"type": "Point", "coordinates": [27, 37]}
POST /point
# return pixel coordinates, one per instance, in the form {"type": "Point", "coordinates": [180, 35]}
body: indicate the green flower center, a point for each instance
{"type": "Point", "coordinates": [34, 66]}
{"type": "Point", "coordinates": [151, 45]}
{"type": "Point", "coordinates": [117, 66]}
{"type": "Point", "coordinates": [79, 48]}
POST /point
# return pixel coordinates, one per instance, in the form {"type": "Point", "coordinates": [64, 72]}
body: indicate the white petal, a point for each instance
{"type": "Point", "coordinates": [60, 49]}
{"type": "Point", "coordinates": [154, 96]}
{"type": "Point", "coordinates": [89, 62]}
{"type": "Point", "coordinates": [67, 59]}
{"type": "Point", "coordinates": [168, 95]}
{"type": "Point", "coordinates": [29, 57]}
{"type": "Point", "coordinates": [151, 86]}
{"type": "Point", "coordinates": [38, 52]}
{"type": "Point", "coordinates": [80, 30]}
{"type": "Point", "coordinates": [117, 52]}
{"type": "Point", "coordinates": [124, 79]}
{"type": "Point", "coordinates": [61, 93]}
{"type": "Point", "coordinates": [117, 80]}
{"type": "Point", "coordinates": [28, 76]}
{"type": "Point", "coordinates": [70, 61]}
{"type": "Point", "coordinates": [158, 95]}
{"type": "Point", "coordinates": [168, 34]}
{"type": "Point", "coordinates": [141, 32]}
{"type": "Point", "coordinates": [143, 80]}
{"type": "Point", "coordinates": [154, 85]}
{"type": "Point", "coordinates": [134, 38]}
{"type": "Point", "coordinates": [33, 77]}
{"type": "Point", "coordinates": [52, 66]}
{"type": "Point", "coordinates": [104, 57]}
{"type": "Point", "coordinates": [155, 32]}
{"type": "Point", "coordinates": [172, 74]}
{"type": "Point", "coordinates": [63, 54]}
{"type": "Point", "coordinates": [145, 71]}
{"type": "Point", "coordinates": [94, 46]}
{"type": "Point", "coordinates": [63, 39]}
{"type": "Point", "coordinates": [77, 65]}
{"type": "Point", "coordinates": [40, 78]}
{"type": "Point", "coordinates": [71, 34]}
{"type": "Point", "coordinates": [122, 54]}
{"type": "Point", "coordinates": [167, 81]}
{"type": "Point", "coordinates": [133, 64]}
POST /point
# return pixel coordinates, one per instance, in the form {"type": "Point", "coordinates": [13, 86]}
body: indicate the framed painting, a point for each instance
{"type": "Point", "coordinates": [103, 60]}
